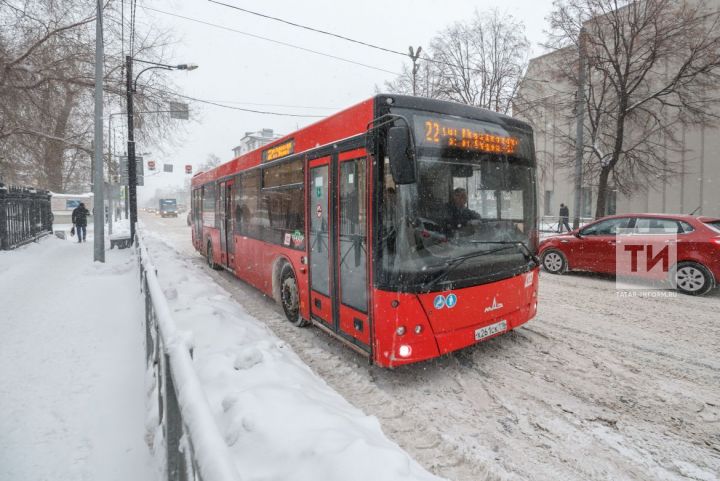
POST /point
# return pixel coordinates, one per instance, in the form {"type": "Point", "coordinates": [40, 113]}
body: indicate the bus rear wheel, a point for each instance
{"type": "Point", "coordinates": [210, 261]}
{"type": "Point", "coordinates": [290, 297]}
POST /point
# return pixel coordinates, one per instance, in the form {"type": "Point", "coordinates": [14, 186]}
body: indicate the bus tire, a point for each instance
{"type": "Point", "coordinates": [210, 261]}
{"type": "Point", "coordinates": [290, 297]}
{"type": "Point", "coordinates": [554, 261]}
{"type": "Point", "coordinates": [691, 278]}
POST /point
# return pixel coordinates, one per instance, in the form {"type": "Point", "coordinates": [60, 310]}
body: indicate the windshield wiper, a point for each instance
{"type": "Point", "coordinates": [453, 263]}
{"type": "Point", "coordinates": [523, 246]}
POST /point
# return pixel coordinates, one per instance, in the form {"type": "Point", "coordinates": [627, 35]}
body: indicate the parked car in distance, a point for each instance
{"type": "Point", "coordinates": [593, 247]}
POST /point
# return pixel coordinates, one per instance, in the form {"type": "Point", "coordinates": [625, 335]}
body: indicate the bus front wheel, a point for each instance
{"type": "Point", "coordinates": [290, 297]}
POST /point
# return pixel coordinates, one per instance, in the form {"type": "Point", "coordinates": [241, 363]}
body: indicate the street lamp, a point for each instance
{"type": "Point", "coordinates": [130, 87]}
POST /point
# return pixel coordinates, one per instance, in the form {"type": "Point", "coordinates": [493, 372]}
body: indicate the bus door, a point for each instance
{"type": "Point", "coordinates": [227, 250]}
{"type": "Point", "coordinates": [352, 247]}
{"type": "Point", "coordinates": [197, 223]}
{"type": "Point", "coordinates": [321, 272]}
{"type": "Point", "coordinates": [337, 203]}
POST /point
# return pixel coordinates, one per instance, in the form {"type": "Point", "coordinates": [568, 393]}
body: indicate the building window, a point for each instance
{"type": "Point", "coordinates": [548, 202]}
{"type": "Point", "coordinates": [586, 194]}
{"type": "Point", "coordinates": [611, 202]}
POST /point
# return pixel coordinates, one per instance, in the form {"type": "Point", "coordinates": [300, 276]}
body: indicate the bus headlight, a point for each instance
{"type": "Point", "coordinates": [404, 351]}
{"type": "Point", "coordinates": [400, 330]}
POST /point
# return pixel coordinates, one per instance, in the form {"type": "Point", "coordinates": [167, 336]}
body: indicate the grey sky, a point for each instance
{"type": "Point", "coordinates": [252, 73]}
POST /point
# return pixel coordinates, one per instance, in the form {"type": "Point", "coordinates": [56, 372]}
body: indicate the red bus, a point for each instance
{"type": "Point", "coordinates": [406, 227]}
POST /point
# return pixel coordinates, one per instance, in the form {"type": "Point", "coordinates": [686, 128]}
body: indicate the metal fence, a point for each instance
{"type": "Point", "coordinates": [186, 422]}
{"type": "Point", "coordinates": [25, 215]}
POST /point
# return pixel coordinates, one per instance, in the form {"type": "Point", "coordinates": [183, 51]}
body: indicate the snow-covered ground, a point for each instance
{"type": "Point", "coordinates": [597, 387]}
{"type": "Point", "coordinates": [72, 374]}
{"type": "Point", "coordinates": [73, 399]}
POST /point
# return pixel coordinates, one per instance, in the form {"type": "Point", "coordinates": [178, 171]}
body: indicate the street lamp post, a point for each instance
{"type": "Point", "coordinates": [132, 171]}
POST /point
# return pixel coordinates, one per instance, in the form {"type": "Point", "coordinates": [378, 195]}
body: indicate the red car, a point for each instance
{"type": "Point", "coordinates": [694, 270]}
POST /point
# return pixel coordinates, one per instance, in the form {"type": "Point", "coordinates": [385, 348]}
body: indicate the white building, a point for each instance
{"type": "Point", "coordinates": [546, 100]}
{"type": "Point", "coordinates": [254, 140]}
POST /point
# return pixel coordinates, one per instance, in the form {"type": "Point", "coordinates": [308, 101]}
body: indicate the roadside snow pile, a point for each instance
{"type": "Point", "coordinates": [279, 420]}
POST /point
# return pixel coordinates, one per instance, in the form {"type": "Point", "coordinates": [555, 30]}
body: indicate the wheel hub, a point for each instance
{"type": "Point", "coordinates": [690, 279]}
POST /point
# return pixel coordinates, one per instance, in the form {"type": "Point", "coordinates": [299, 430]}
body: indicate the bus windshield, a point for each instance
{"type": "Point", "coordinates": [469, 219]}
{"type": "Point", "coordinates": [168, 205]}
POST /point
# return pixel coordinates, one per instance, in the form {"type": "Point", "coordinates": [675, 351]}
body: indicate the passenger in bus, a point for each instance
{"type": "Point", "coordinates": [458, 214]}
{"type": "Point", "coordinates": [242, 214]}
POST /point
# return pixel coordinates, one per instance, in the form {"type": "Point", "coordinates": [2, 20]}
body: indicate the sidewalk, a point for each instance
{"type": "Point", "coordinates": [72, 395]}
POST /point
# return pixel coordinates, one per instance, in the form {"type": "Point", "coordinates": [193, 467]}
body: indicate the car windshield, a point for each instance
{"type": "Point", "coordinates": [481, 207]}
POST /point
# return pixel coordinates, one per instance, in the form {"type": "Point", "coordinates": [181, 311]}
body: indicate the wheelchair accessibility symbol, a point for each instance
{"type": "Point", "coordinates": [451, 301]}
{"type": "Point", "coordinates": [439, 302]}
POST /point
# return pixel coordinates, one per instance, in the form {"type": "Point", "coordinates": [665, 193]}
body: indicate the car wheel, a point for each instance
{"type": "Point", "coordinates": [290, 297]}
{"type": "Point", "coordinates": [210, 261]}
{"type": "Point", "coordinates": [554, 261]}
{"type": "Point", "coordinates": [692, 278]}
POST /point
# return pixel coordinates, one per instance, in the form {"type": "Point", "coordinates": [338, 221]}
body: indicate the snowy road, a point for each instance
{"type": "Point", "coordinates": [597, 387]}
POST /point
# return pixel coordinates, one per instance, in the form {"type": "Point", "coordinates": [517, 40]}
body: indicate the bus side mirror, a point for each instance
{"type": "Point", "coordinates": [402, 166]}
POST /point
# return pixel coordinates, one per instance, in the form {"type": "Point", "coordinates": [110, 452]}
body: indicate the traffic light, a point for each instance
{"type": "Point", "coordinates": [151, 165]}
{"type": "Point", "coordinates": [188, 169]}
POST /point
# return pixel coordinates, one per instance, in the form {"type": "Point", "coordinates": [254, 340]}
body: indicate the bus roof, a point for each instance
{"type": "Point", "coordinates": [353, 121]}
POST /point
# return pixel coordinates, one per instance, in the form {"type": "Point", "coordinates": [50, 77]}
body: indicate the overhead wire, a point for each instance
{"type": "Point", "coordinates": [352, 40]}
{"type": "Point", "coordinates": [294, 24]}
{"type": "Point", "coordinates": [239, 102]}
{"type": "Point", "coordinates": [232, 107]}
{"type": "Point", "coordinates": [312, 29]}
{"type": "Point", "coordinates": [267, 39]}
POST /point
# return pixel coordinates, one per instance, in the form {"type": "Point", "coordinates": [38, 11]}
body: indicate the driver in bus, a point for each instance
{"type": "Point", "coordinates": [388, 218]}
{"type": "Point", "coordinates": [458, 214]}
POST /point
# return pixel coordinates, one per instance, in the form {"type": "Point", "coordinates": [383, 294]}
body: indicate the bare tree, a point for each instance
{"type": "Point", "coordinates": [653, 65]}
{"type": "Point", "coordinates": [211, 161]}
{"type": "Point", "coordinates": [46, 82]}
{"type": "Point", "coordinates": [478, 63]}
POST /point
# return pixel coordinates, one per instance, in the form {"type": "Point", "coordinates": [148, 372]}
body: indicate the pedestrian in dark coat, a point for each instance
{"type": "Point", "coordinates": [564, 218]}
{"type": "Point", "coordinates": [79, 219]}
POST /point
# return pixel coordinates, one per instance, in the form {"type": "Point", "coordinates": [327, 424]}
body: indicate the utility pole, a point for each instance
{"type": "Point", "coordinates": [111, 213]}
{"type": "Point", "coordinates": [132, 173]}
{"type": "Point", "coordinates": [580, 122]}
{"type": "Point", "coordinates": [414, 56]}
{"type": "Point", "coordinates": [132, 170]}
{"type": "Point", "coordinates": [98, 177]}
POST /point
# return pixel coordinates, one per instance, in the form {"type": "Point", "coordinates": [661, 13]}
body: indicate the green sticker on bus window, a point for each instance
{"type": "Point", "coordinates": [318, 191]}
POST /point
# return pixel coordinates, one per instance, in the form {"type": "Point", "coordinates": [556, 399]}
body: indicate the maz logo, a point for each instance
{"type": "Point", "coordinates": [495, 306]}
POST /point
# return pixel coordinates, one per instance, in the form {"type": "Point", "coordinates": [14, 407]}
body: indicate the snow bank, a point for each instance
{"type": "Point", "coordinates": [210, 451]}
{"type": "Point", "coordinates": [279, 420]}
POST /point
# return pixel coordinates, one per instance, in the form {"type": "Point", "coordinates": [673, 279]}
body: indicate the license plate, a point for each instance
{"type": "Point", "coordinates": [490, 330]}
